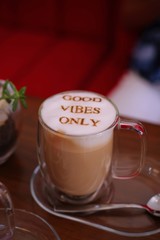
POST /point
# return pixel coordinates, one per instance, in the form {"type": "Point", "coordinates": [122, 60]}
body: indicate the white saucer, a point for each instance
{"type": "Point", "coordinates": [121, 222]}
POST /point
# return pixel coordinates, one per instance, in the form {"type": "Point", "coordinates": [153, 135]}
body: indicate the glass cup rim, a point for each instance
{"type": "Point", "coordinates": [41, 219]}
{"type": "Point", "coordinates": [111, 126]}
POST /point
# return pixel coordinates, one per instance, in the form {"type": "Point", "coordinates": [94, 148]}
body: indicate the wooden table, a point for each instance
{"type": "Point", "coordinates": [17, 171]}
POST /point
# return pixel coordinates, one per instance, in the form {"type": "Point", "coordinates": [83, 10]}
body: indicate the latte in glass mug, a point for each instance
{"type": "Point", "coordinates": [75, 144]}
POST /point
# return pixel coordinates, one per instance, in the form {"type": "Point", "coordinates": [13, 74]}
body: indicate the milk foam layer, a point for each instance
{"type": "Point", "coordinates": [78, 113]}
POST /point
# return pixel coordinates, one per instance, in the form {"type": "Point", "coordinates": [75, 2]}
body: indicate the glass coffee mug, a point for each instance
{"type": "Point", "coordinates": [19, 224]}
{"type": "Point", "coordinates": [75, 146]}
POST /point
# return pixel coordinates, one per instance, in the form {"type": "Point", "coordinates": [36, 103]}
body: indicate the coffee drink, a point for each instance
{"type": "Point", "coordinates": [73, 143]}
{"type": "Point", "coordinates": [75, 169]}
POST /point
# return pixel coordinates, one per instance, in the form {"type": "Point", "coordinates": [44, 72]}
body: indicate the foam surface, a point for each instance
{"type": "Point", "coordinates": [78, 112]}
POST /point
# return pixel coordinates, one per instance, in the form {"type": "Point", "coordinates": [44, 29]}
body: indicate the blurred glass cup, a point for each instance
{"type": "Point", "coordinates": [17, 224]}
{"type": "Point", "coordinates": [9, 127]}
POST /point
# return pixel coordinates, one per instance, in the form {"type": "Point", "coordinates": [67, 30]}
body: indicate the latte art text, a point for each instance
{"type": "Point", "coordinates": [79, 109]}
{"type": "Point", "coordinates": [79, 121]}
{"type": "Point", "coordinates": [77, 113]}
{"type": "Point", "coordinates": [83, 99]}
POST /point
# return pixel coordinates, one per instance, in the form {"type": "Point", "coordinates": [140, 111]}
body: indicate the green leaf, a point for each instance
{"type": "Point", "coordinates": [14, 105]}
{"type": "Point", "coordinates": [5, 89]}
{"type": "Point", "coordinates": [23, 101]}
{"type": "Point", "coordinates": [22, 90]}
{"type": "Point", "coordinates": [13, 96]}
{"type": "Point", "coordinates": [12, 86]}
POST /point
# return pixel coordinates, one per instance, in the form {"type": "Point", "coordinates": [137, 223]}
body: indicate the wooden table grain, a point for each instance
{"type": "Point", "coordinates": [17, 171]}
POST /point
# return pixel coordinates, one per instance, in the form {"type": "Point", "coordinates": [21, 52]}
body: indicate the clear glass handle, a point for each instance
{"type": "Point", "coordinates": [138, 128]}
{"type": "Point", "coordinates": [6, 214]}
